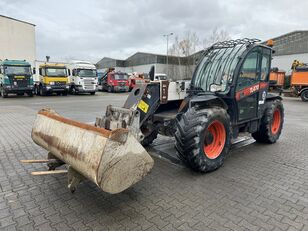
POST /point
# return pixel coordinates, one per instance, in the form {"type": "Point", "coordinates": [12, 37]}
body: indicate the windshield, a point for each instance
{"type": "Point", "coordinates": [217, 67]}
{"type": "Point", "coordinates": [120, 76]}
{"type": "Point", "coordinates": [55, 72]}
{"type": "Point", "coordinates": [86, 73]}
{"type": "Point", "coordinates": [17, 70]}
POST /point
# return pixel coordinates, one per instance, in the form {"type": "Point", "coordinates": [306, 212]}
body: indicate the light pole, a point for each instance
{"type": "Point", "coordinates": [167, 37]}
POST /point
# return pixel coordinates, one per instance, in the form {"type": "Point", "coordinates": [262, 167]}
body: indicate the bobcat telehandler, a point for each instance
{"type": "Point", "coordinates": [228, 94]}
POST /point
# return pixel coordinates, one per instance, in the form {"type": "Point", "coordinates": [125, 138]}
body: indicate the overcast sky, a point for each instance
{"type": "Point", "coordinates": [93, 29]}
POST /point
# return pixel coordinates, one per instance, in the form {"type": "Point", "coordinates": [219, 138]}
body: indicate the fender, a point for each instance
{"type": "Point", "coordinates": [207, 99]}
{"type": "Point", "coordinates": [270, 97]}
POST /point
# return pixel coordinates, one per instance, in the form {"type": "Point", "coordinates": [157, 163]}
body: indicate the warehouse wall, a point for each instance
{"type": "Point", "coordinates": [17, 40]}
{"type": "Point", "coordinates": [176, 72]}
{"type": "Point", "coordinates": [284, 62]}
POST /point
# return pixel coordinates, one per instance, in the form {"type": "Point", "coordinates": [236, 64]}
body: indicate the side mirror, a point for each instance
{"type": "Point", "coordinates": [69, 71]}
{"type": "Point", "coordinates": [33, 70]}
{"type": "Point", "coordinates": [40, 71]}
{"type": "Point", "coordinates": [214, 87]}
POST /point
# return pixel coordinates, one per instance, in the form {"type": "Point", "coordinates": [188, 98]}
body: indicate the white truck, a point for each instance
{"type": "Point", "coordinates": [82, 77]}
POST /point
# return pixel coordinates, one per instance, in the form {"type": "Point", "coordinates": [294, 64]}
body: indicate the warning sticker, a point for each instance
{"type": "Point", "coordinates": [143, 106]}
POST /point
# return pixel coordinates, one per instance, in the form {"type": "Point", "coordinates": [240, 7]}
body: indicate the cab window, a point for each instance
{"type": "Point", "coordinates": [265, 65]}
{"type": "Point", "coordinates": [249, 71]}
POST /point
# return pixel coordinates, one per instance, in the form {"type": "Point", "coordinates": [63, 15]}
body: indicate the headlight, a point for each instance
{"type": "Point", "coordinates": [51, 83]}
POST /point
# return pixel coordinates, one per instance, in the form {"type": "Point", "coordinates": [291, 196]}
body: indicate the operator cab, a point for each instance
{"type": "Point", "coordinates": [238, 72]}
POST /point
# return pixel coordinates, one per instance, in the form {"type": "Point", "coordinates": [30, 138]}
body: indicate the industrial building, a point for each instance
{"type": "Point", "coordinates": [289, 47]}
{"type": "Point", "coordinates": [17, 40]}
{"type": "Point", "coordinates": [177, 67]}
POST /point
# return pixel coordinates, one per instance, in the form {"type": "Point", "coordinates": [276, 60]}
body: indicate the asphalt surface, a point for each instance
{"type": "Point", "coordinates": [260, 187]}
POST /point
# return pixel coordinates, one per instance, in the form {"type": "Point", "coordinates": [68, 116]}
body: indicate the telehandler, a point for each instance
{"type": "Point", "coordinates": [228, 94]}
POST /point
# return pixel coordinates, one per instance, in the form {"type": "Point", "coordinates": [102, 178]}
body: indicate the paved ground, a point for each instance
{"type": "Point", "coordinates": [260, 187]}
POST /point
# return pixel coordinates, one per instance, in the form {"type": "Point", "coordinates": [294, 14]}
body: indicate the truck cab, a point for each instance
{"type": "Point", "coordinates": [53, 78]}
{"type": "Point", "coordinates": [115, 82]}
{"type": "Point", "coordinates": [15, 77]}
{"type": "Point", "coordinates": [83, 77]}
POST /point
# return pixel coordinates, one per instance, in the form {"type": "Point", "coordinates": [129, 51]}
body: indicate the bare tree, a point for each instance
{"type": "Point", "coordinates": [181, 55]}
{"type": "Point", "coordinates": [217, 35]}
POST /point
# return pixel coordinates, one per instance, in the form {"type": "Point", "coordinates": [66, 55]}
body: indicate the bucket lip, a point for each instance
{"type": "Point", "coordinates": [101, 131]}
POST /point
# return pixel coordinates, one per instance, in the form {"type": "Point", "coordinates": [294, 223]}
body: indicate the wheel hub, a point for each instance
{"type": "Point", "coordinates": [214, 140]}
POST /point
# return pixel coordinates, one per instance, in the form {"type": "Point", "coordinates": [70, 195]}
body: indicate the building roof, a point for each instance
{"type": "Point", "coordinates": [142, 58]}
{"type": "Point", "coordinates": [3, 16]}
{"type": "Point", "coordinates": [295, 42]}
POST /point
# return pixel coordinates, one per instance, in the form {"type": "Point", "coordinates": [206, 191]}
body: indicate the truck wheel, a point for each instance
{"type": "Point", "coordinates": [203, 138]}
{"type": "Point", "coordinates": [304, 95]}
{"type": "Point", "coordinates": [73, 91]}
{"type": "Point", "coordinates": [271, 123]}
{"type": "Point", "coordinates": [64, 93]}
{"type": "Point", "coordinates": [92, 93]}
{"type": "Point", "coordinates": [36, 90]}
{"type": "Point", "coordinates": [42, 92]}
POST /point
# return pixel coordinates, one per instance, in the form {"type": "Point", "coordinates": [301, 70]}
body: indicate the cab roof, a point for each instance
{"type": "Point", "coordinates": [53, 65]}
{"type": "Point", "coordinates": [14, 62]}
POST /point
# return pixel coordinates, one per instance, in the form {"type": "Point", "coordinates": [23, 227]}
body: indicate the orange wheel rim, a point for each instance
{"type": "Point", "coordinates": [218, 133]}
{"type": "Point", "coordinates": [276, 121]}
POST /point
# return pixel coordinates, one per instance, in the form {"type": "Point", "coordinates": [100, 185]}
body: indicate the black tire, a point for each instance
{"type": "Point", "coordinates": [64, 93]}
{"type": "Point", "coordinates": [109, 89]}
{"type": "Point", "coordinates": [92, 93]}
{"type": "Point", "coordinates": [42, 92]}
{"type": "Point", "coordinates": [20, 94]}
{"type": "Point", "coordinates": [149, 138]}
{"type": "Point", "coordinates": [36, 90]}
{"type": "Point", "coordinates": [266, 134]}
{"type": "Point", "coordinates": [304, 95]}
{"type": "Point", "coordinates": [192, 127]}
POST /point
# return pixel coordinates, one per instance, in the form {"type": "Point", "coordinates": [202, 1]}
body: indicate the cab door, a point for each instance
{"type": "Point", "coordinates": [247, 86]}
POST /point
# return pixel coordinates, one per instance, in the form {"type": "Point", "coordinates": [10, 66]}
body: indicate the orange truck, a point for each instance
{"type": "Point", "coordinates": [299, 81]}
{"type": "Point", "coordinates": [277, 78]}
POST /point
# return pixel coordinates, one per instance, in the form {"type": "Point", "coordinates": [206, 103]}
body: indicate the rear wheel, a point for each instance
{"type": "Point", "coordinates": [92, 93]}
{"type": "Point", "coordinates": [203, 138]}
{"type": "Point", "coordinates": [304, 95]}
{"type": "Point", "coordinates": [271, 123]}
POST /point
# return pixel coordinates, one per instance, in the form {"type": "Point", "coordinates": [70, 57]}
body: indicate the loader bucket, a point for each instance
{"type": "Point", "coordinates": [113, 160]}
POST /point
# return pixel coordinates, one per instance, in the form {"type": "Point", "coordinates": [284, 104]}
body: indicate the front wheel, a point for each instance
{"type": "Point", "coordinates": [304, 95]}
{"type": "Point", "coordinates": [203, 138]}
{"type": "Point", "coordinates": [42, 91]}
{"type": "Point", "coordinates": [271, 123]}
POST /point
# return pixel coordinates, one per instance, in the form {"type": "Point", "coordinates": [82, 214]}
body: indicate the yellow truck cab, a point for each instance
{"type": "Point", "coordinates": [52, 78]}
